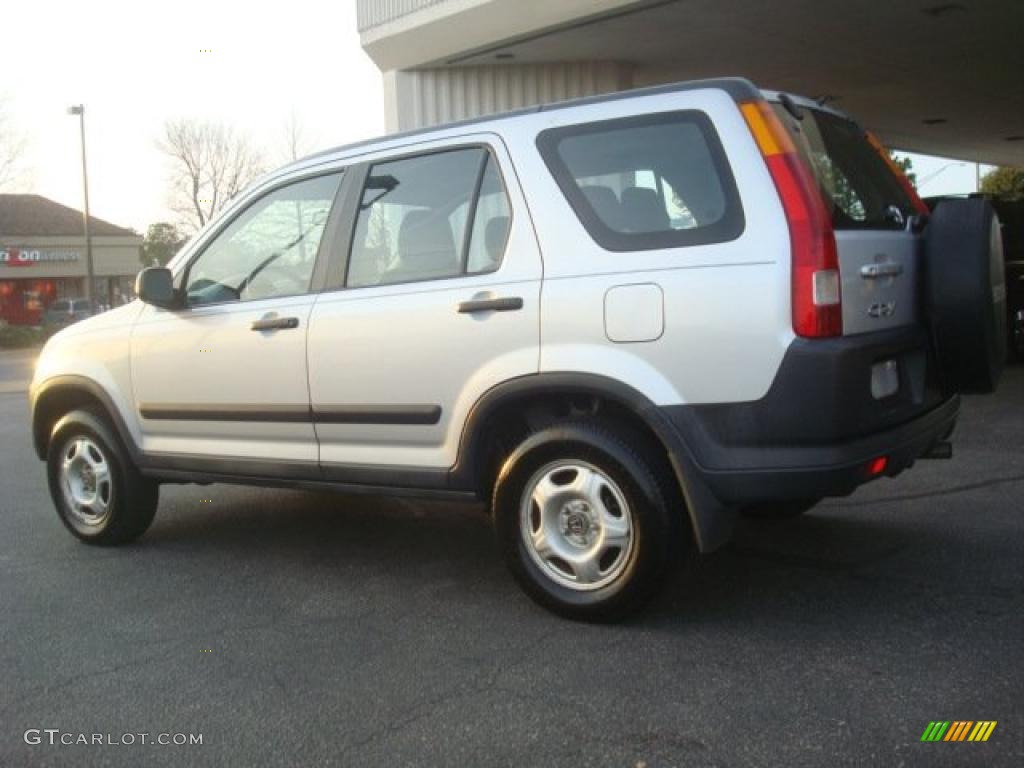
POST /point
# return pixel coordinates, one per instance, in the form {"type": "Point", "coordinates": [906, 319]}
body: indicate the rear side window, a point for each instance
{"type": "Point", "coordinates": [855, 181]}
{"type": "Point", "coordinates": [640, 183]}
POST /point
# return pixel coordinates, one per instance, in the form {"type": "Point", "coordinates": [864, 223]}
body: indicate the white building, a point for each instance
{"type": "Point", "coordinates": [931, 76]}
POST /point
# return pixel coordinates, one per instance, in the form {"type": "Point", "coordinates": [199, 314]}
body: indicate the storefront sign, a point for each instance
{"type": "Point", "coordinates": [27, 257]}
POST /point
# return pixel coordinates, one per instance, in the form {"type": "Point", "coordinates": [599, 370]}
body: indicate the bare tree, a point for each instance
{"type": "Point", "coordinates": [297, 143]}
{"type": "Point", "coordinates": [211, 163]}
{"type": "Point", "coordinates": [12, 149]}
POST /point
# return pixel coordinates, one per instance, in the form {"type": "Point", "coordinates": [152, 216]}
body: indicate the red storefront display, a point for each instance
{"type": "Point", "coordinates": [43, 258]}
{"type": "Point", "coordinates": [22, 302]}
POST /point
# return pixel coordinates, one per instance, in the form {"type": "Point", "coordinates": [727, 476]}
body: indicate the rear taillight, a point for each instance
{"type": "Point", "coordinates": [877, 466]}
{"type": "Point", "coordinates": [901, 177]}
{"type": "Point", "coordinates": [817, 303]}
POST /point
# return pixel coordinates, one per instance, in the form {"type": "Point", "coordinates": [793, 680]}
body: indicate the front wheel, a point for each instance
{"type": "Point", "coordinates": [99, 494]}
{"type": "Point", "coordinates": [584, 520]}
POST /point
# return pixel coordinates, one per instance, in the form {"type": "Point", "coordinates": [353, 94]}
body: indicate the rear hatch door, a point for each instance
{"type": "Point", "coordinates": [871, 211]}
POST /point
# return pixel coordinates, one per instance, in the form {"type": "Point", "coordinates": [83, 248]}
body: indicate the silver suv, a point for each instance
{"type": "Point", "coordinates": [620, 321]}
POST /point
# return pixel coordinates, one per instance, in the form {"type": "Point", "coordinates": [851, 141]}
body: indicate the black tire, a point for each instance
{"type": "Point", "coordinates": [965, 294]}
{"type": "Point", "coordinates": [641, 477]}
{"type": "Point", "coordinates": [128, 499]}
{"type": "Point", "coordinates": [779, 510]}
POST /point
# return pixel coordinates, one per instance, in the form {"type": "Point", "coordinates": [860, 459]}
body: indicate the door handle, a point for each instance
{"type": "Point", "coordinates": [272, 323]}
{"type": "Point", "coordinates": [504, 304]}
{"type": "Point", "coordinates": [884, 269]}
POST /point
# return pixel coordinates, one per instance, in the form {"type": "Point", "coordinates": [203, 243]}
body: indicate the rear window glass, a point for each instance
{"type": "Point", "coordinates": [654, 181]}
{"type": "Point", "coordinates": [81, 304]}
{"type": "Point", "coordinates": [855, 180]}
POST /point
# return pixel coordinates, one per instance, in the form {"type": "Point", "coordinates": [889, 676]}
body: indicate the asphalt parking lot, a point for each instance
{"type": "Point", "coordinates": [293, 628]}
{"type": "Point", "coordinates": [16, 369]}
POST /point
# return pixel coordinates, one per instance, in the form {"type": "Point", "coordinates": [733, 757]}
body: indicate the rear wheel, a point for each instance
{"type": "Point", "coordinates": [99, 494]}
{"type": "Point", "coordinates": [583, 519]}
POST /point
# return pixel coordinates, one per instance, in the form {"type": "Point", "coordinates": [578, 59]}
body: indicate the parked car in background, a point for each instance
{"type": "Point", "coordinates": [1011, 215]}
{"type": "Point", "coordinates": [1015, 301]}
{"type": "Point", "coordinates": [67, 311]}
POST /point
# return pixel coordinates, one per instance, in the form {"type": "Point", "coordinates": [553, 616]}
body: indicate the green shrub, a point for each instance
{"type": "Point", "coordinates": [21, 336]}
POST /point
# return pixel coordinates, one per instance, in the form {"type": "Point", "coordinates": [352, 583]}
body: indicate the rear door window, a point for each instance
{"type": "Point", "coordinates": [654, 181]}
{"type": "Point", "coordinates": [429, 217]}
{"type": "Point", "coordinates": [855, 180]}
{"type": "Point", "coordinates": [491, 222]}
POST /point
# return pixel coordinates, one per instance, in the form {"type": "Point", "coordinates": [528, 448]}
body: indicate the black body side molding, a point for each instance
{"type": "Point", "coordinates": [340, 414]}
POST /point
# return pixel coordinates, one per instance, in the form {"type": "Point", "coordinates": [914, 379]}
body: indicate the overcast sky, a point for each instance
{"type": "Point", "coordinates": [135, 64]}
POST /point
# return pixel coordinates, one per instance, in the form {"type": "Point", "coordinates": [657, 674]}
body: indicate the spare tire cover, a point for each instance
{"type": "Point", "coordinates": [965, 294]}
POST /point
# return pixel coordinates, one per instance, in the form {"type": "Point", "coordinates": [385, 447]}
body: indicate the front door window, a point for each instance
{"type": "Point", "coordinates": [269, 249]}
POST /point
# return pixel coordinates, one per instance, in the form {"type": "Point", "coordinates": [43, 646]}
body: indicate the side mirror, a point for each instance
{"type": "Point", "coordinates": [155, 285]}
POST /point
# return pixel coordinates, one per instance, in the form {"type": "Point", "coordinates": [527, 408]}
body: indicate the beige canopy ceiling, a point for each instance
{"type": "Point", "coordinates": [932, 76]}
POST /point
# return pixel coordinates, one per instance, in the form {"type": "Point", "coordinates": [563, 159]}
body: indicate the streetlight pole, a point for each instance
{"type": "Point", "coordinates": [90, 288]}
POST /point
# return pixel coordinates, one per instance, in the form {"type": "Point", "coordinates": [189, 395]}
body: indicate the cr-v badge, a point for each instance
{"type": "Point", "coordinates": [882, 309]}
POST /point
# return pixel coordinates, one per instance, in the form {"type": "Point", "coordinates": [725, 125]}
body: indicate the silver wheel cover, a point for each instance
{"type": "Point", "coordinates": [86, 481]}
{"type": "Point", "coordinates": [576, 525]}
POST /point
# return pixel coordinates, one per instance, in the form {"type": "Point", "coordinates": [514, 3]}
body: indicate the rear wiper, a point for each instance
{"type": "Point", "coordinates": [894, 214]}
{"type": "Point", "coordinates": [790, 106]}
{"type": "Point", "coordinates": [915, 222]}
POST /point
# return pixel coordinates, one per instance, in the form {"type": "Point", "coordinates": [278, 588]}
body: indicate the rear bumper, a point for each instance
{"type": "Point", "coordinates": [834, 469]}
{"type": "Point", "coordinates": [819, 426]}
